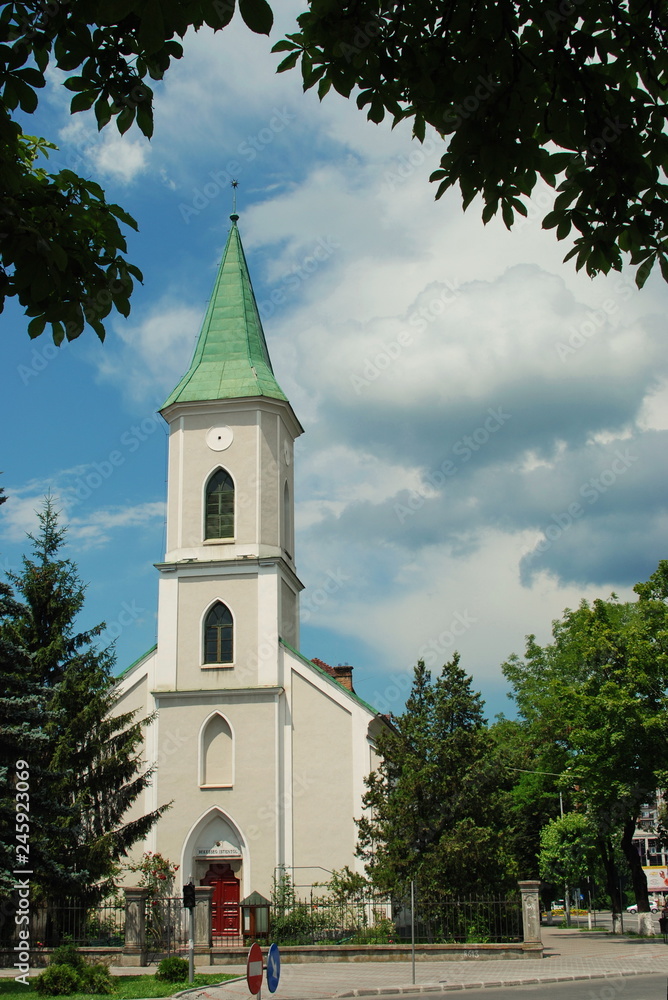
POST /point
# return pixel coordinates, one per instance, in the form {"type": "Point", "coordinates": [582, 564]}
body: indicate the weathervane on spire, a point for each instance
{"type": "Point", "coordinates": [235, 185]}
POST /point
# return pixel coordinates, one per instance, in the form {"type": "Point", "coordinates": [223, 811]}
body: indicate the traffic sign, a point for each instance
{"type": "Point", "coordinates": [254, 969]}
{"type": "Point", "coordinates": [273, 968]}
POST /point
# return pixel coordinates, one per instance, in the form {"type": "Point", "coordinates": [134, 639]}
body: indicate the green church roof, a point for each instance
{"type": "Point", "coordinates": [231, 359]}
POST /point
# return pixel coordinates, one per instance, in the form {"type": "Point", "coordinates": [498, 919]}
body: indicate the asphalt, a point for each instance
{"type": "Point", "coordinates": [569, 955]}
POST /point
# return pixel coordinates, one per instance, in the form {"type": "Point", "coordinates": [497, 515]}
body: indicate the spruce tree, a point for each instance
{"type": "Point", "coordinates": [92, 756]}
{"type": "Point", "coordinates": [432, 801]}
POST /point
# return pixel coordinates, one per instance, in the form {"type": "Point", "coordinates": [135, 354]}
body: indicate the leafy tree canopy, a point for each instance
{"type": "Point", "coordinates": [569, 95]}
{"type": "Point", "coordinates": [569, 850]}
{"type": "Point", "coordinates": [599, 693]}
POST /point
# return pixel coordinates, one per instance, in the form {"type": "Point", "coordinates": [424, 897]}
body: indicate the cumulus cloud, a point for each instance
{"type": "Point", "coordinates": [149, 356]}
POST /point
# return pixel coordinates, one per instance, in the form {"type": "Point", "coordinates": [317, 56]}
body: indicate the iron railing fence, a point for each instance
{"type": "Point", "coordinates": [72, 922]}
{"type": "Point", "coordinates": [438, 920]}
{"type": "Point", "coordinates": [445, 919]}
{"type": "Point", "coordinates": [165, 926]}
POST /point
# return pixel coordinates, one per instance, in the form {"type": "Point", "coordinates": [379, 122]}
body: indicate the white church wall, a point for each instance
{"type": "Point", "coordinates": [323, 806]}
{"type": "Point", "coordinates": [196, 596]}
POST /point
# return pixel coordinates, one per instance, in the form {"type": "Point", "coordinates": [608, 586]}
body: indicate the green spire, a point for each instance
{"type": "Point", "coordinates": [231, 358]}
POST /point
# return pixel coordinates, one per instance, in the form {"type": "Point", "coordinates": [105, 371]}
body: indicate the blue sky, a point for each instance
{"type": "Point", "coordinates": [485, 429]}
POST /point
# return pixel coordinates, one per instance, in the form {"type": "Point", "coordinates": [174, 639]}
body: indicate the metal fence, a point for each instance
{"type": "Point", "coordinates": [69, 921]}
{"type": "Point", "coordinates": [449, 920]}
{"type": "Point", "coordinates": [166, 926]}
{"type": "Point", "coordinates": [441, 920]}
{"type": "Point", "coordinates": [320, 920]}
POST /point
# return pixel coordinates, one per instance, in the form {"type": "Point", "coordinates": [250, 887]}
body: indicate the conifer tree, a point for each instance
{"type": "Point", "coordinates": [92, 756]}
{"type": "Point", "coordinates": [431, 802]}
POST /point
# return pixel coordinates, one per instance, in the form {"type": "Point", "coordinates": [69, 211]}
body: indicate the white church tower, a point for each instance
{"type": "Point", "coordinates": [229, 567]}
{"type": "Point", "coordinates": [261, 751]}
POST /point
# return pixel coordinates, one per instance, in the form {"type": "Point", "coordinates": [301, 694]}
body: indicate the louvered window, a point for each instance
{"type": "Point", "coordinates": [218, 635]}
{"type": "Point", "coordinates": [220, 506]}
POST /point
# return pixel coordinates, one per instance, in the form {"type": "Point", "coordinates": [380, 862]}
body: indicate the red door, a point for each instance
{"type": "Point", "coordinates": [225, 900]}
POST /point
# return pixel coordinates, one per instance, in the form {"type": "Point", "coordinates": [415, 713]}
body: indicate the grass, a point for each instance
{"type": "Point", "coordinates": [125, 987]}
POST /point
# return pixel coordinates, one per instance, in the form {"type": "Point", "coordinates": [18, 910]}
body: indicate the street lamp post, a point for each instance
{"type": "Point", "coordinates": [553, 774]}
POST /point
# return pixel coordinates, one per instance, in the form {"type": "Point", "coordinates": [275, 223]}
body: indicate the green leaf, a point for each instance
{"type": "Point", "coordinates": [288, 63]}
{"type": "Point", "coordinates": [76, 83]}
{"type": "Point", "coordinates": [257, 15]}
{"type": "Point", "coordinates": [102, 112]}
{"type": "Point", "coordinates": [36, 327]}
{"type": "Point", "coordinates": [552, 219]}
{"type": "Point", "coordinates": [145, 119]}
{"type": "Point", "coordinates": [219, 13]}
{"type": "Point", "coordinates": [152, 34]}
{"type": "Point", "coordinates": [83, 101]}
{"type": "Point", "coordinates": [284, 46]}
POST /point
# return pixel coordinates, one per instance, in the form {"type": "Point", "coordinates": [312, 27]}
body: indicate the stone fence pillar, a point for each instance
{"type": "Point", "coordinates": [530, 912]}
{"type": "Point", "coordinates": [134, 949]}
{"type": "Point", "coordinates": [203, 922]}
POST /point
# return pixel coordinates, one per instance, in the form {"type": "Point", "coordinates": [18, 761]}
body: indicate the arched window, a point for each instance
{"type": "Point", "coordinates": [217, 752]}
{"type": "Point", "coordinates": [218, 635]}
{"type": "Point", "coordinates": [287, 521]}
{"type": "Point", "coordinates": [219, 519]}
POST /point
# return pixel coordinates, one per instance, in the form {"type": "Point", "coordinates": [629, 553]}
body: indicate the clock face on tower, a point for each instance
{"type": "Point", "coordinates": [219, 438]}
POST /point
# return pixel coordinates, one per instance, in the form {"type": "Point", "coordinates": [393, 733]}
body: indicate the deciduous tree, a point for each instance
{"type": "Point", "coordinates": [599, 692]}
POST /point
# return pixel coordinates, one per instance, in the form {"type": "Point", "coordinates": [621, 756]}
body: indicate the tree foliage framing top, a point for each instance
{"type": "Point", "coordinates": [62, 252]}
{"type": "Point", "coordinates": [570, 94]}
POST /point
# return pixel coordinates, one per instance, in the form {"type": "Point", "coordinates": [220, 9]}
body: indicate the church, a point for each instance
{"type": "Point", "coordinates": [261, 751]}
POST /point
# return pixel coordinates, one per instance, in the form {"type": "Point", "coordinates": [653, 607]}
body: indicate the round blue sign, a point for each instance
{"type": "Point", "coordinates": [273, 968]}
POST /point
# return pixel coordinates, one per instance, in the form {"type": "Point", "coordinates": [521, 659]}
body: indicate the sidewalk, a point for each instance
{"type": "Point", "coordinates": [569, 954]}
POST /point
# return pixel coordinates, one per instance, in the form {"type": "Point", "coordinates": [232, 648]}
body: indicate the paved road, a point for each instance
{"type": "Point", "coordinates": [625, 988]}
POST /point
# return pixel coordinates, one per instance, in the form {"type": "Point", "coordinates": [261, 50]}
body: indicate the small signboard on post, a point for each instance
{"type": "Point", "coordinates": [254, 969]}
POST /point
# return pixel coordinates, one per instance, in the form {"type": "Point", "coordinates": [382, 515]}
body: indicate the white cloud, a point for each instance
{"type": "Point", "coordinates": [149, 357]}
{"type": "Point", "coordinates": [96, 529]}
{"type": "Point", "coordinates": [110, 155]}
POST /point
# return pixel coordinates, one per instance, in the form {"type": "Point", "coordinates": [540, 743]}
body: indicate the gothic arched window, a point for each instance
{"type": "Point", "coordinates": [218, 635]}
{"type": "Point", "coordinates": [219, 517]}
{"type": "Point", "coordinates": [287, 521]}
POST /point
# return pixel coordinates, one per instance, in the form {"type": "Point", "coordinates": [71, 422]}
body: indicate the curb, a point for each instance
{"type": "Point", "coordinates": [445, 986]}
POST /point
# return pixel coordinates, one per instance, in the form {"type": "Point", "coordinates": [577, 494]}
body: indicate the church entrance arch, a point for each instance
{"type": "Point", "coordinates": [225, 922]}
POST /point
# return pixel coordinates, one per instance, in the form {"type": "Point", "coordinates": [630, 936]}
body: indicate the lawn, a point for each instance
{"type": "Point", "coordinates": [125, 988]}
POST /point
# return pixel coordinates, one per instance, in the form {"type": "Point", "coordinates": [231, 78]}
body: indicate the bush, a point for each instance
{"type": "Point", "coordinates": [67, 954]}
{"type": "Point", "coordinates": [58, 980]}
{"type": "Point", "coordinates": [173, 970]}
{"type": "Point", "coordinates": [95, 979]}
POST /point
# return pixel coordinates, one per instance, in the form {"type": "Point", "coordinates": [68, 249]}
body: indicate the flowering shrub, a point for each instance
{"type": "Point", "coordinates": [156, 874]}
